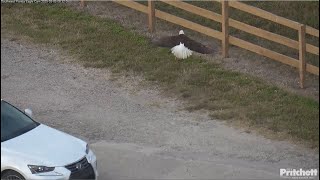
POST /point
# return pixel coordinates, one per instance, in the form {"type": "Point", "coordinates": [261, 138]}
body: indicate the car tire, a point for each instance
{"type": "Point", "coordinates": [11, 175]}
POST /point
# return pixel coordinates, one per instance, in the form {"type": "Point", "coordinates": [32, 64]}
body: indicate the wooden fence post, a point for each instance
{"type": "Point", "coordinates": [302, 54]}
{"type": "Point", "coordinates": [82, 3]}
{"type": "Point", "coordinates": [151, 15]}
{"type": "Point", "coordinates": [225, 28]}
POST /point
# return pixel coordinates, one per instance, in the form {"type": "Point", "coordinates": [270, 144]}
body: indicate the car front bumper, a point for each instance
{"type": "Point", "coordinates": [62, 173]}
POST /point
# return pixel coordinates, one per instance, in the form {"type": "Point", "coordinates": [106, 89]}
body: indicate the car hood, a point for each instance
{"type": "Point", "coordinates": [45, 146]}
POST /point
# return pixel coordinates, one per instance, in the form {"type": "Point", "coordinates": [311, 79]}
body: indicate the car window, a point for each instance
{"type": "Point", "coordinates": [14, 122]}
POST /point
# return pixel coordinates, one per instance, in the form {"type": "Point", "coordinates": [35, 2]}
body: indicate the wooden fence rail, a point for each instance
{"type": "Point", "coordinates": [227, 22]}
{"type": "Point", "coordinates": [245, 27]}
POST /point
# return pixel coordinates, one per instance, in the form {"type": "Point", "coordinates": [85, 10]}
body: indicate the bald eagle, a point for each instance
{"type": "Point", "coordinates": [182, 46]}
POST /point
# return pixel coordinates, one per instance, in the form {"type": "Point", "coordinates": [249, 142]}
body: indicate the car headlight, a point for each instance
{"type": "Point", "coordinates": [39, 169]}
{"type": "Point", "coordinates": [87, 149]}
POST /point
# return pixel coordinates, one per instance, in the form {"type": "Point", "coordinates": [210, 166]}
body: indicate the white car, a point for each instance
{"type": "Point", "coordinates": [30, 150]}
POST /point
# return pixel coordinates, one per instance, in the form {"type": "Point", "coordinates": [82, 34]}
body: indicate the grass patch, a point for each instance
{"type": "Point", "coordinates": [103, 43]}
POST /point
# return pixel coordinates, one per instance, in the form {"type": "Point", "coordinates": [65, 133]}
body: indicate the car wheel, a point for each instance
{"type": "Point", "coordinates": [11, 175]}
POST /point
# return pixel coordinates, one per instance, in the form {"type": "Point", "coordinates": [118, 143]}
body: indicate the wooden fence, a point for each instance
{"type": "Point", "coordinates": [227, 22]}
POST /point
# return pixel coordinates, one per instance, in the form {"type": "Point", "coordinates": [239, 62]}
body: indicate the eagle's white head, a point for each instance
{"type": "Point", "coordinates": [181, 32]}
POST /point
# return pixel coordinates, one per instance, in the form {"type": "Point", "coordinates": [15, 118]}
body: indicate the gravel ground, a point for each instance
{"type": "Point", "coordinates": [124, 120]}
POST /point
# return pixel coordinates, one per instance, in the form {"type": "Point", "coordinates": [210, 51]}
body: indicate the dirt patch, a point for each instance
{"type": "Point", "coordinates": [240, 60]}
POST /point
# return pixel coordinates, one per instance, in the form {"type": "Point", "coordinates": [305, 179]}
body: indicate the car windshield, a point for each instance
{"type": "Point", "coordinates": [14, 122]}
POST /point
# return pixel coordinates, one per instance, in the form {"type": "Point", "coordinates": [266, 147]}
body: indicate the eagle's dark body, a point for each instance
{"type": "Point", "coordinates": [171, 41]}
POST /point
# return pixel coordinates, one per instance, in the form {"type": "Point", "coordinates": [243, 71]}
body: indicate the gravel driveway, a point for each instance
{"type": "Point", "coordinates": [134, 130]}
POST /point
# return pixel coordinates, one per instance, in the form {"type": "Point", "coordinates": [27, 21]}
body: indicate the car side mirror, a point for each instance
{"type": "Point", "coordinates": [28, 112]}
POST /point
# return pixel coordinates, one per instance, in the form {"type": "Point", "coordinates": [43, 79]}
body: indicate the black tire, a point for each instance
{"type": "Point", "coordinates": [11, 175]}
